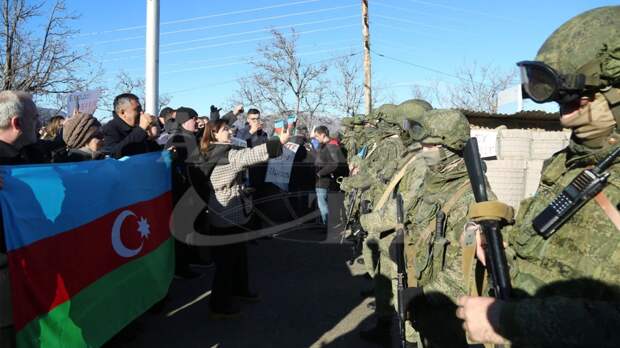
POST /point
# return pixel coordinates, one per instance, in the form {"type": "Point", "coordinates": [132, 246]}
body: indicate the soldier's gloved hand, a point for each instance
{"type": "Point", "coordinates": [491, 210]}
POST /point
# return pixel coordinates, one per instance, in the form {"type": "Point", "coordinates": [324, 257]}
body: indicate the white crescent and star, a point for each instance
{"type": "Point", "coordinates": [117, 243]}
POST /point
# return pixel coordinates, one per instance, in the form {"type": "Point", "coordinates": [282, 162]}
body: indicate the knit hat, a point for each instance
{"type": "Point", "coordinates": [184, 114]}
{"type": "Point", "coordinates": [79, 130]}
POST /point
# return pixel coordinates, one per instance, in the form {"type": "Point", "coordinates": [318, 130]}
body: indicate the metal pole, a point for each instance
{"type": "Point", "coordinates": [151, 75]}
{"type": "Point", "coordinates": [366, 38]}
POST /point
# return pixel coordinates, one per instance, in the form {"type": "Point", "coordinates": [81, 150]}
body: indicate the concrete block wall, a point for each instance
{"type": "Point", "coordinates": [520, 154]}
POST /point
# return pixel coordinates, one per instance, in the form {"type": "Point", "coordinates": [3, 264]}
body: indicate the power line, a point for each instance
{"type": "Point", "coordinates": [408, 10]}
{"type": "Point", "coordinates": [391, 27]}
{"type": "Point", "coordinates": [418, 23]}
{"type": "Point", "coordinates": [190, 19]}
{"type": "Point", "coordinates": [248, 21]}
{"type": "Point", "coordinates": [235, 80]}
{"type": "Point", "coordinates": [416, 65]}
{"type": "Point", "coordinates": [235, 57]}
{"type": "Point", "coordinates": [178, 43]}
{"type": "Point", "coordinates": [247, 61]}
{"type": "Point", "coordinates": [259, 19]}
{"type": "Point", "coordinates": [458, 9]}
{"type": "Point", "coordinates": [231, 43]}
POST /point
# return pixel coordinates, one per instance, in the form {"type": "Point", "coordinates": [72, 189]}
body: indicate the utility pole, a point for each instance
{"type": "Point", "coordinates": [151, 75]}
{"type": "Point", "coordinates": [366, 38]}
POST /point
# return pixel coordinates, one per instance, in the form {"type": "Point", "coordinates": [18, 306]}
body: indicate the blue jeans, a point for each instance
{"type": "Point", "coordinates": [321, 198]}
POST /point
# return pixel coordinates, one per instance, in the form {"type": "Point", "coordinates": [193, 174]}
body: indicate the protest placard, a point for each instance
{"type": "Point", "coordinates": [279, 168]}
{"type": "Point", "coordinates": [85, 102]}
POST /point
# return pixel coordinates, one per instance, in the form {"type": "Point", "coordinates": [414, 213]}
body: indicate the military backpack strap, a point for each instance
{"type": "Point", "coordinates": [411, 250]}
{"type": "Point", "coordinates": [372, 149]}
{"type": "Point", "coordinates": [392, 185]}
{"type": "Point", "coordinates": [609, 209]}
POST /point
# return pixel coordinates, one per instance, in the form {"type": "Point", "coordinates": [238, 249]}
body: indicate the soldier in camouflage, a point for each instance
{"type": "Point", "coordinates": [569, 282]}
{"type": "Point", "coordinates": [387, 144]}
{"type": "Point", "coordinates": [435, 260]}
{"type": "Point", "coordinates": [393, 153]}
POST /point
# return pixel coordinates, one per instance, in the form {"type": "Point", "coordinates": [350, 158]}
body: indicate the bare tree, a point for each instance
{"type": "Point", "coordinates": [281, 83]}
{"type": "Point", "coordinates": [347, 94]}
{"type": "Point", "coordinates": [125, 83]}
{"type": "Point", "coordinates": [40, 62]}
{"type": "Point", "coordinates": [478, 87]}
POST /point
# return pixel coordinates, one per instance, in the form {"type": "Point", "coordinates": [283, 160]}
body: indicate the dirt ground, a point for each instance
{"type": "Point", "coordinates": [310, 297]}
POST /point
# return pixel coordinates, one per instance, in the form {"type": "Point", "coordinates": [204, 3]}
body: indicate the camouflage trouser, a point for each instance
{"type": "Point", "coordinates": [386, 284]}
{"type": "Point", "coordinates": [385, 276]}
{"type": "Point", "coordinates": [370, 254]}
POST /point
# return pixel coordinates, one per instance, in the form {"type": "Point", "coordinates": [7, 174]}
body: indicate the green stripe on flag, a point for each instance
{"type": "Point", "coordinates": [99, 311]}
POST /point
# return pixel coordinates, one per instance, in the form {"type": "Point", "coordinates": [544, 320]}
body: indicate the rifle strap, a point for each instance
{"type": "Point", "coordinates": [411, 249]}
{"type": "Point", "coordinates": [468, 254]}
{"type": "Point", "coordinates": [609, 209]}
{"type": "Point", "coordinates": [395, 180]}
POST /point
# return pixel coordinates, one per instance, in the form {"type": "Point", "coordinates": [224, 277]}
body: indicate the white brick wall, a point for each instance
{"type": "Point", "coordinates": [515, 174]}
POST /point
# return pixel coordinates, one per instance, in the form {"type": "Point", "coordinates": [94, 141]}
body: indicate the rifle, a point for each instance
{"type": "Point", "coordinates": [357, 235]}
{"type": "Point", "coordinates": [397, 250]}
{"type": "Point", "coordinates": [494, 252]}
{"type": "Point", "coordinates": [351, 199]}
{"type": "Point", "coordinates": [585, 186]}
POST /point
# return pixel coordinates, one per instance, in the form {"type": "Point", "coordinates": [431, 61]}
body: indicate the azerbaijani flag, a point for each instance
{"type": "Point", "coordinates": [89, 246]}
{"type": "Point", "coordinates": [278, 127]}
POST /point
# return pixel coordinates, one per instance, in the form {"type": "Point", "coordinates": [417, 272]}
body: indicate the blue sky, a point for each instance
{"type": "Point", "coordinates": [206, 45]}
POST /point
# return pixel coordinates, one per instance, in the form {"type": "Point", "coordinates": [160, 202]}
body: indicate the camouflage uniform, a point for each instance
{"type": "Point", "coordinates": [391, 149]}
{"type": "Point", "coordinates": [390, 146]}
{"type": "Point", "coordinates": [433, 263]}
{"type": "Point", "coordinates": [574, 274]}
{"type": "Point", "coordinates": [568, 284]}
{"type": "Point", "coordinates": [570, 281]}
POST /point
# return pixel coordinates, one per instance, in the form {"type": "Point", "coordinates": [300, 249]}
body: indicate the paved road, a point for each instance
{"type": "Point", "coordinates": [310, 298]}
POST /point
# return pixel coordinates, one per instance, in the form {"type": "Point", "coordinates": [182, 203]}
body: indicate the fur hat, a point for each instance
{"type": "Point", "coordinates": [79, 130]}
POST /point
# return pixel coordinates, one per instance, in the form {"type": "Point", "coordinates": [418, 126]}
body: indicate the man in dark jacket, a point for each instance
{"type": "Point", "coordinates": [18, 135]}
{"type": "Point", "coordinates": [254, 135]}
{"type": "Point", "coordinates": [253, 132]}
{"type": "Point", "coordinates": [330, 163]}
{"type": "Point", "coordinates": [125, 134]}
{"type": "Point", "coordinates": [185, 153]}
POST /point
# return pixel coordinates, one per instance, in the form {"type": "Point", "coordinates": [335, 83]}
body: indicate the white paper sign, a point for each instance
{"type": "Point", "coordinates": [279, 169]}
{"type": "Point", "coordinates": [85, 102]}
{"type": "Point", "coordinates": [487, 141]}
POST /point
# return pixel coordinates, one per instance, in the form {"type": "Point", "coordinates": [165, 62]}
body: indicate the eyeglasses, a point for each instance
{"type": "Point", "coordinates": [416, 130]}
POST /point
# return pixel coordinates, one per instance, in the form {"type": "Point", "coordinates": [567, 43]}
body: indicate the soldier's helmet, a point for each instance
{"type": "Point", "coordinates": [347, 122]}
{"type": "Point", "coordinates": [449, 128]}
{"type": "Point", "coordinates": [407, 110]}
{"type": "Point", "coordinates": [582, 55]}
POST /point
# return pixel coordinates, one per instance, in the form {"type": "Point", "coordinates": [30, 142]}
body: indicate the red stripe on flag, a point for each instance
{"type": "Point", "coordinates": [47, 273]}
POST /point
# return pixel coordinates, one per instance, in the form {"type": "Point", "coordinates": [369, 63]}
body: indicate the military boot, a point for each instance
{"type": "Point", "coordinates": [381, 334]}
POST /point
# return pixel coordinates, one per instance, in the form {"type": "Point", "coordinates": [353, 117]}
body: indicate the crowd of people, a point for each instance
{"type": "Point", "coordinates": [223, 157]}
{"type": "Point", "coordinates": [404, 168]}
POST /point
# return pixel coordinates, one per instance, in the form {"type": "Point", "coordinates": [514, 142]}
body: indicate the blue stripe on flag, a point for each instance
{"type": "Point", "coordinates": [44, 200]}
